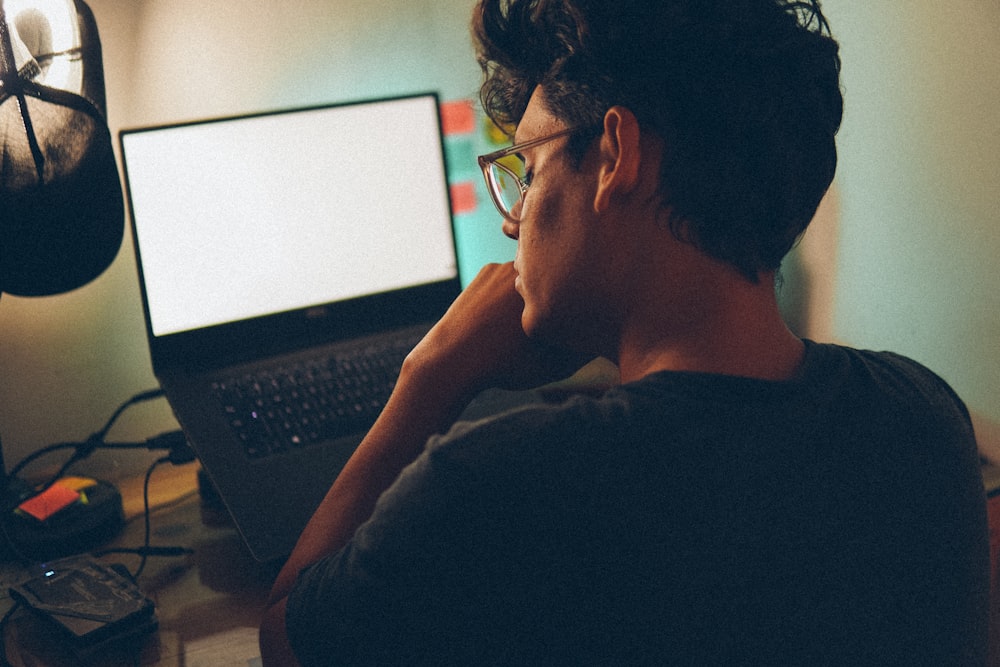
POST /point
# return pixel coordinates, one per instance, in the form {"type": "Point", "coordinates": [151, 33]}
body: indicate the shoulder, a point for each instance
{"type": "Point", "coordinates": [527, 437]}
{"type": "Point", "coordinates": [579, 423]}
{"type": "Point", "coordinates": [886, 368]}
{"type": "Point", "coordinates": [898, 428]}
{"type": "Point", "coordinates": [883, 381]}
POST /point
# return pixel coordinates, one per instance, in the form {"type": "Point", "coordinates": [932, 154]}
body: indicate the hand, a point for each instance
{"type": "Point", "coordinates": [480, 344]}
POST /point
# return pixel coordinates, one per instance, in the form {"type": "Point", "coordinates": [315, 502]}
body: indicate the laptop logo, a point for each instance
{"type": "Point", "coordinates": [317, 313]}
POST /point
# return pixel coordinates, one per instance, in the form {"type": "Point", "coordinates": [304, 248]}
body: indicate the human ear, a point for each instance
{"type": "Point", "coordinates": [620, 157]}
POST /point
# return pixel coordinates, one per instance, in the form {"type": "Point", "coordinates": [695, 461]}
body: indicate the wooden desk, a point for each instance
{"type": "Point", "coordinates": [208, 603]}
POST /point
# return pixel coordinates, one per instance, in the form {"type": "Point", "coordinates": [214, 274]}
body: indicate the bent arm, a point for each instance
{"type": "Point", "coordinates": [479, 343]}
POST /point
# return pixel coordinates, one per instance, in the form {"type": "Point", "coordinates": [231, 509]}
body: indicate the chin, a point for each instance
{"type": "Point", "coordinates": [533, 325]}
{"type": "Point", "coordinates": [529, 325]}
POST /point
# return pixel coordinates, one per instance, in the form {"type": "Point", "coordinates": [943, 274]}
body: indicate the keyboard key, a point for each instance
{"type": "Point", "coordinates": [296, 405]}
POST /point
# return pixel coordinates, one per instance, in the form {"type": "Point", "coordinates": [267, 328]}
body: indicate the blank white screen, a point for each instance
{"type": "Point", "coordinates": [244, 217]}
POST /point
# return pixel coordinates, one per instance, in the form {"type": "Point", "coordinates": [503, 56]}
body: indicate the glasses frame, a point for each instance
{"type": "Point", "coordinates": [489, 161]}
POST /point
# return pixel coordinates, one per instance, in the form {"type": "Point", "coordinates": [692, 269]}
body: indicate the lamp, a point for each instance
{"type": "Point", "coordinates": [61, 207]}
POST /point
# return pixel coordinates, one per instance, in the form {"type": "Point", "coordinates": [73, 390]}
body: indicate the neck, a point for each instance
{"type": "Point", "coordinates": [710, 320]}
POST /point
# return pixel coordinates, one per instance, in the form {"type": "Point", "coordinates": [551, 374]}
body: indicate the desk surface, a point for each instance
{"type": "Point", "coordinates": [208, 603]}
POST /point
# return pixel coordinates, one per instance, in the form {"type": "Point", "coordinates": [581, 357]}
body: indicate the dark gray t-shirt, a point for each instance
{"type": "Point", "coordinates": [682, 519]}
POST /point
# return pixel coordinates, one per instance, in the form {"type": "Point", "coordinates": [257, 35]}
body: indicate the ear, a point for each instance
{"type": "Point", "coordinates": [620, 157]}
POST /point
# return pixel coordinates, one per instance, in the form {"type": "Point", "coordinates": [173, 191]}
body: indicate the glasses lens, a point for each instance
{"type": "Point", "coordinates": [505, 177]}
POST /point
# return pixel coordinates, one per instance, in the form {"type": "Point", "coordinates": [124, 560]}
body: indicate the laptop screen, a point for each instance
{"type": "Point", "coordinates": [243, 217]}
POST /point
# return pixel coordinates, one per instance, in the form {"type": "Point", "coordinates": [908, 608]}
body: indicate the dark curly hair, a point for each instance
{"type": "Point", "coordinates": [745, 94]}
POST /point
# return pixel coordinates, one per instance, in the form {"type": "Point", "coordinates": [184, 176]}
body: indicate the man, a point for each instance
{"type": "Point", "coordinates": [744, 496]}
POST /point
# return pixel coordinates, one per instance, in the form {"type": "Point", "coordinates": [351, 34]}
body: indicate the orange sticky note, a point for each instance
{"type": "Point", "coordinates": [458, 117]}
{"type": "Point", "coordinates": [463, 198]}
{"type": "Point", "coordinates": [50, 501]}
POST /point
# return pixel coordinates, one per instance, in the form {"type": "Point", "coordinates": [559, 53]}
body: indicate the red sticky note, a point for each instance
{"type": "Point", "coordinates": [463, 198]}
{"type": "Point", "coordinates": [50, 501]}
{"type": "Point", "coordinates": [458, 117]}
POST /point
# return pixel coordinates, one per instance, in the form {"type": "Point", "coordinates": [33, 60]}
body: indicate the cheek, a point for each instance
{"type": "Point", "coordinates": [552, 239]}
{"type": "Point", "coordinates": [552, 217]}
{"type": "Point", "coordinates": [553, 272]}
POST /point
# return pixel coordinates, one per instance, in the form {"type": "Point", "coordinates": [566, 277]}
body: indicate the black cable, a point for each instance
{"type": "Point", "coordinates": [37, 454]}
{"type": "Point", "coordinates": [179, 452]}
{"type": "Point", "coordinates": [77, 456]}
{"type": "Point", "coordinates": [145, 551]}
{"type": "Point", "coordinates": [95, 441]}
{"type": "Point", "coordinates": [173, 441]}
{"type": "Point", "coordinates": [83, 450]}
{"type": "Point", "coordinates": [138, 398]}
{"type": "Point", "coordinates": [145, 506]}
{"type": "Point", "coordinates": [80, 455]}
{"type": "Point", "coordinates": [40, 453]}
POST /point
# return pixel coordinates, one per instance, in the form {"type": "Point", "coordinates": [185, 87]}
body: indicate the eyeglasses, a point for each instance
{"type": "Point", "coordinates": [505, 175]}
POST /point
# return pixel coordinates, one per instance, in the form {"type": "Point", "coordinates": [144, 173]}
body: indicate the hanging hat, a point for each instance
{"type": "Point", "coordinates": [61, 208]}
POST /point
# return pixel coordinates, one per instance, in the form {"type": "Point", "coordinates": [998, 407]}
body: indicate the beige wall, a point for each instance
{"type": "Point", "coordinates": [920, 198]}
{"type": "Point", "coordinates": [902, 255]}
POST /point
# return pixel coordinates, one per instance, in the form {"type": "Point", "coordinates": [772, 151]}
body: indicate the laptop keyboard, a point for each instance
{"type": "Point", "coordinates": [292, 406]}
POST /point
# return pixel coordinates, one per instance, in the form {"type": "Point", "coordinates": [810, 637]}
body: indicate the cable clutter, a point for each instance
{"type": "Point", "coordinates": [55, 530]}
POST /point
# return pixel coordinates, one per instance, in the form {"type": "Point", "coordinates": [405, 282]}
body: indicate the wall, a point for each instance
{"type": "Point", "coordinates": [918, 181]}
{"type": "Point", "coordinates": [901, 257]}
{"type": "Point", "coordinates": [67, 362]}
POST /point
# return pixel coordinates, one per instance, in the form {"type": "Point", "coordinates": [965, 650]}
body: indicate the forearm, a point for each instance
{"type": "Point", "coordinates": [415, 411]}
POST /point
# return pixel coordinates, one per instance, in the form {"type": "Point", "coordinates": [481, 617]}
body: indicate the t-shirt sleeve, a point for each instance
{"type": "Point", "coordinates": [342, 609]}
{"type": "Point", "coordinates": [417, 576]}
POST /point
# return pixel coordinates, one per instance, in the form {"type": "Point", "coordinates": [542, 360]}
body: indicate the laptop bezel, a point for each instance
{"type": "Point", "coordinates": [236, 342]}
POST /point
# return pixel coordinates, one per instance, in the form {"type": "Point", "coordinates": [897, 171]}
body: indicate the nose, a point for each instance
{"type": "Point", "coordinates": [511, 229]}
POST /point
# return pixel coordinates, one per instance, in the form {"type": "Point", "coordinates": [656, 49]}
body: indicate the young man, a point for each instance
{"type": "Point", "coordinates": [744, 496]}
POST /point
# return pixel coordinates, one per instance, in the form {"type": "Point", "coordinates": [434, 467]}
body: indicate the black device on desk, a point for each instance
{"type": "Point", "coordinates": [296, 243]}
{"type": "Point", "coordinates": [90, 605]}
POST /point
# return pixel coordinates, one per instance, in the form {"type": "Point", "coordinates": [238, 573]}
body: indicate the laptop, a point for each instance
{"type": "Point", "coordinates": [281, 238]}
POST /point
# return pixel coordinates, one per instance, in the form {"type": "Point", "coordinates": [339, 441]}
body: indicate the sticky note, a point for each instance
{"type": "Point", "coordinates": [458, 117]}
{"type": "Point", "coordinates": [49, 502]}
{"type": "Point", "coordinates": [77, 483]}
{"type": "Point", "coordinates": [463, 198]}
